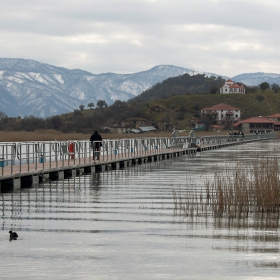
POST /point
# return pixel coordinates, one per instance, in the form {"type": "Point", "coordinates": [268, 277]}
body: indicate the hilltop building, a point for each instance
{"type": "Point", "coordinates": [231, 87]}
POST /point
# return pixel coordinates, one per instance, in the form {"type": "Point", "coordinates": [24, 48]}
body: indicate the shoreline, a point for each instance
{"type": "Point", "coordinates": [52, 135]}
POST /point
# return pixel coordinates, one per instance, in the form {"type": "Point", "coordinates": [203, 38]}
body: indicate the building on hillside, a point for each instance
{"type": "Point", "coordinates": [147, 128]}
{"type": "Point", "coordinates": [255, 124]}
{"type": "Point", "coordinates": [274, 117]}
{"type": "Point", "coordinates": [277, 126]}
{"type": "Point", "coordinates": [199, 126]}
{"type": "Point", "coordinates": [231, 87]}
{"type": "Point", "coordinates": [117, 129]}
{"type": "Point", "coordinates": [164, 126]}
{"type": "Point", "coordinates": [222, 114]}
{"type": "Point", "coordinates": [135, 125]}
{"type": "Point", "coordinates": [215, 127]}
{"type": "Point", "coordinates": [143, 129]}
{"type": "Point", "coordinates": [135, 122]}
{"type": "Point", "coordinates": [194, 120]}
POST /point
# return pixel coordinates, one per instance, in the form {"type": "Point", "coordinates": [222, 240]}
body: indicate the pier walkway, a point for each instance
{"type": "Point", "coordinates": [26, 164]}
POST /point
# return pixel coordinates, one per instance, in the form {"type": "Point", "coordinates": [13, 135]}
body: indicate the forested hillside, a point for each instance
{"type": "Point", "coordinates": [169, 104]}
{"type": "Point", "coordinates": [184, 84]}
{"type": "Point", "coordinates": [180, 109]}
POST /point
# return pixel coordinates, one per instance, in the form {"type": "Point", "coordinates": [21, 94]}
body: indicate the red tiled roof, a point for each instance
{"type": "Point", "coordinates": [235, 86]}
{"type": "Point", "coordinates": [215, 126]}
{"type": "Point", "coordinates": [237, 124]}
{"type": "Point", "coordinates": [274, 116]}
{"type": "Point", "coordinates": [212, 112]}
{"type": "Point", "coordinates": [254, 120]}
{"type": "Point", "coordinates": [221, 106]}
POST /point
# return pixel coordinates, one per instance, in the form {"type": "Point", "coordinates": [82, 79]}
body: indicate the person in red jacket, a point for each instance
{"type": "Point", "coordinates": [96, 143]}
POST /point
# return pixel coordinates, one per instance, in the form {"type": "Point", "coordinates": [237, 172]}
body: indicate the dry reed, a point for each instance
{"type": "Point", "coordinates": [237, 192]}
{"type": "Point", "coordinates": [247, 189]}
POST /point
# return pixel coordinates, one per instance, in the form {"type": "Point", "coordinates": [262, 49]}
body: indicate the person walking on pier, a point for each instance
{"type": "Point", "coordinates": [96, 143]}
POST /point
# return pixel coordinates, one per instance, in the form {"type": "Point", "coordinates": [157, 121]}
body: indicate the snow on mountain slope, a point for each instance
{"type": "Point", "coordinates": [43, 90]}
{"type": "Point", "coordinates": [28, 87]}
{"type": "Point", "coordinates": [253, 79]}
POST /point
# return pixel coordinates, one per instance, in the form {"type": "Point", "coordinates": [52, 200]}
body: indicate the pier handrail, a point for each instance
{"type": "Point", "coordinates": [42, 155]}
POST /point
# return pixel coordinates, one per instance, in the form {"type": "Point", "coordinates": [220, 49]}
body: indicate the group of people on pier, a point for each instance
{"type": "Point", "coordinates": [236, 133]}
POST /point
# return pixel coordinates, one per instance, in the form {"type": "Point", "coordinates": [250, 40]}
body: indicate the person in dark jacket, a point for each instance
{"type": "Point", "coordinates": [96, 143]}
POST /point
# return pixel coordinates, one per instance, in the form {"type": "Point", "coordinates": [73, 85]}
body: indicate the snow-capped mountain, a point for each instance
{"type": "Point", "coordinates": [28, 87]}
{"type": "Point", "coordinates": [253, 79]}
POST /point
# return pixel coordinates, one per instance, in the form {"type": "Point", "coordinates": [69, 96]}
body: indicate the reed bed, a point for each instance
{"type": "Point", "coordinates": [190, 201]}
{"type": "Point", "coordinates": [246, 189]}
{"type": "Point", "coordinates": [236, 192]}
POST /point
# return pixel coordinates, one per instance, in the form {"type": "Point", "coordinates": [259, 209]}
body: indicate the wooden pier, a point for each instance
{"type": "Point", "coordinates": [16, 177]}
{"type": "Point", "coordinates": [28, 176]}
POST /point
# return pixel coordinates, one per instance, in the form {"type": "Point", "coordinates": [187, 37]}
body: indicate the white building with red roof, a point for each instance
{"type": "Point", "coordinates": [231, 87]}
{"type": "Point", "coordinates": [222, 113]}
{"type": "Point", "coordinates": [255, 124]}
{"type": "Point", "coordinates": [274, 117]}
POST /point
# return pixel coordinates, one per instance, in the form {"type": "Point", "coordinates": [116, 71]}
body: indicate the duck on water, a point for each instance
{"type": "Point", "coordinates": [13, 235]}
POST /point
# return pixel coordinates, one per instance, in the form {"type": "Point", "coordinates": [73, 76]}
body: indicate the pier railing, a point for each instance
{"type": "Point", "coordinates": [20, 157]}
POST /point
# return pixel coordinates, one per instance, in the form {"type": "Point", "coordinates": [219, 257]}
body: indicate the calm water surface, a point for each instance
{"type": "Point", "coordinates": [122, 225]}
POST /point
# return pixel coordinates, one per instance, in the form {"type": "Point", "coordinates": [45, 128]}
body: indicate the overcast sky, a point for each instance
{"type": "Point", "coordinates": [226, 37]}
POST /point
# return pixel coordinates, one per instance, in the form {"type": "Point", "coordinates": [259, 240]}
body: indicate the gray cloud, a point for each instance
{"type": "Point", "coordinates": [221, 36]}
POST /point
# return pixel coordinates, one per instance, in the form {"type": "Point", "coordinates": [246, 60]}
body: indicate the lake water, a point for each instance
{"type": "Point", "coordinates": [123, 225]}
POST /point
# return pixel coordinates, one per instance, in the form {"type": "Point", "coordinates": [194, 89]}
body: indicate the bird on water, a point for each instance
{"type": "Point", "coordinates": [13, 234]}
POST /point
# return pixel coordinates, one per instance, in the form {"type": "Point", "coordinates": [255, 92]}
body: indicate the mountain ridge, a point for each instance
{"type": "Point", "coordinates": [29, 87]}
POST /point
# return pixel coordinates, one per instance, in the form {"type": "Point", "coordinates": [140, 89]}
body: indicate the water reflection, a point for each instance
{"type": "Point", "coordinates": [129, 223]}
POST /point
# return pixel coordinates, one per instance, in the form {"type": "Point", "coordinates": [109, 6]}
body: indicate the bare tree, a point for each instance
{"type": "Point", "coordinates": [2, 115]}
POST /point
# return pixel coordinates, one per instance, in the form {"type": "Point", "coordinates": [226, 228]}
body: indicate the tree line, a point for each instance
{"type": "Point", "coordinates": [101, 116]}
{"type": "Point", "coordinates": [183, 84]}
{"type": "Point", "coordinates": [79, 121]}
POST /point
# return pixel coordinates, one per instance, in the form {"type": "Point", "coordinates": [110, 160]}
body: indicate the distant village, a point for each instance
{"type": "Point", "coordinates": [223, 116]}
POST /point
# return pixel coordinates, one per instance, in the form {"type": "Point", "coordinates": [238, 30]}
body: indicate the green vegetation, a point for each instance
{"type": "Point", "coordinates": [181, 85]}
{"type": "Point", "coordinates": [190, 105]}
{"type": "Point", "coordinates": [171, 103]}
